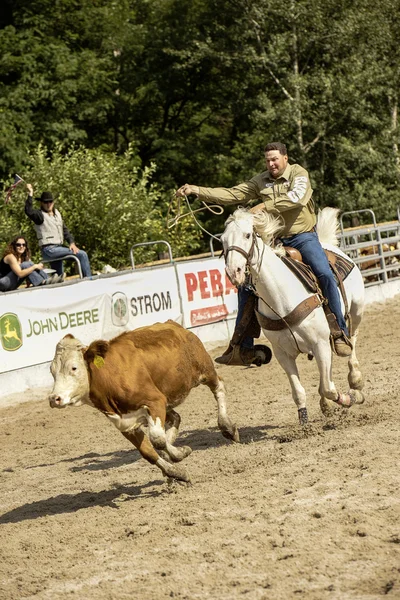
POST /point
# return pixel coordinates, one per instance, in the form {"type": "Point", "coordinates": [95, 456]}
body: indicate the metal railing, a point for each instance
{"type": "Point", "coordinates": [374, 247]}
{"type": "Point", "coordinates": [150, 244]}
{"type": "Point", "coordinates": [68, 257]}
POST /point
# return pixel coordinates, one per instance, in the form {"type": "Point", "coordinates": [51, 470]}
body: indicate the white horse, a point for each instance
{"type": "Point", "coordinates": [248, 244]}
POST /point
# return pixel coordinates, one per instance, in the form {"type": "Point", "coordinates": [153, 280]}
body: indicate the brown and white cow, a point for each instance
{"type": "Point", "coordinates": [136, 380]}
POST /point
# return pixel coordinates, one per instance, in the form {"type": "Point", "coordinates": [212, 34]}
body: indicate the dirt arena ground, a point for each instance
{"type": "Point", "coordinates": [288, 513]}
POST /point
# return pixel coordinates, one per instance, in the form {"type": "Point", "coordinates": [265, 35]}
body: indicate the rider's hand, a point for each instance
{"type": "Point", "coordinates": [30, 189]}
{"type": "Point", "coordinates": [187, 189]}
{"type": "Point", "coordinates": [257, 207]}
{"type": "Point", "coordinates": [38, 267]}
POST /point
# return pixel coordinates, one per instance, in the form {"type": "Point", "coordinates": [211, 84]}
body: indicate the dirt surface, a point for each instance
{"type": "Point", "coordinates": [288, 513]}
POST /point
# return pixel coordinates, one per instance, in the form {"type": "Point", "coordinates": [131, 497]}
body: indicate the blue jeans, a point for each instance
{"type": "Point", "coordinates": [11, 281]}
{"type": "Point", "coordinates": [54, 251]}
{"type": "Point", "coordinates": [314, 255]}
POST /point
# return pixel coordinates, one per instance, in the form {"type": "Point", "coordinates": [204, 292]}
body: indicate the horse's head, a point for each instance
{"type": "Point", "coordinates": [238, 242]}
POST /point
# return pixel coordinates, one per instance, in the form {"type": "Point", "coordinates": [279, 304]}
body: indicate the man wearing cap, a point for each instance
{"type": "Point", "coordinates": [51, 232]}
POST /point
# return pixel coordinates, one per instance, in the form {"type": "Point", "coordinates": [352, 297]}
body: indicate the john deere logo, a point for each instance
{"type": "Point", "coordinates": [119, 311]}
{"type": "Point", "coordinates": [10, 332]}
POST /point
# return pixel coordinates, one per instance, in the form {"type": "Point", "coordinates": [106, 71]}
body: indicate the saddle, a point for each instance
{"type": "Point", "coordinates": [252, 320]}
{"type": "Point", "coordinates": [341, 268]}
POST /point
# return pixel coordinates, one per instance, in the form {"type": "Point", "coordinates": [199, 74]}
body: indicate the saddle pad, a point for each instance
{"type": "Point", "coordinates": [303, 272]}
{"type": "Point", "coordinates": [340, 266]}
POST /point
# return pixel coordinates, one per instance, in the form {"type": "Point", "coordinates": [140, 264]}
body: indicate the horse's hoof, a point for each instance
{"type": "Point", "coordinates": [231, 434]}
{"type": "Point", "coordinates": [325, 407]}
{"type": "Point", "coordinates": [358, 396]}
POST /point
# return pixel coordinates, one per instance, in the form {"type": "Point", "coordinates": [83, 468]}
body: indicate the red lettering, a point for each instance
{"type": "Point", "coordinates": [191, 285]}
{"type": "Point", "coordinates": [203, 284]}
{"type": "Point", "coordinates": [229, 287]}
{"type": "Point", "coordinates": [216, 283]}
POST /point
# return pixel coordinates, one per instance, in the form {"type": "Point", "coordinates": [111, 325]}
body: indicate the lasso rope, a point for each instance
{"type": "Point", "coordinates": [172, 222]}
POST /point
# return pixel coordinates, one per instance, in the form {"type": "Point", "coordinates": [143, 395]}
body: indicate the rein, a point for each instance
{"type": "Point", "coordinates": [297, 314]}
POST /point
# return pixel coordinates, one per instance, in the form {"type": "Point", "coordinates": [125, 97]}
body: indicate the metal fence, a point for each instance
{"type": "Point", "coordinates": [374, 247]}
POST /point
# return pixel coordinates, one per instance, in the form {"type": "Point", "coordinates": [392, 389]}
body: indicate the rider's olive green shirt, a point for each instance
{"type": "Point", "coordinates": [290, 196]}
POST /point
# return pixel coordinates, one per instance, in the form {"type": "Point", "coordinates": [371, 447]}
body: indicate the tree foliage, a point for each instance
{"type": "Point", "coordinates": [107, 203]}
{"type": "Point", "coordinates": [199, 86]}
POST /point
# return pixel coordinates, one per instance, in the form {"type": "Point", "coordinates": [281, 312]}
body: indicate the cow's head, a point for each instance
{"type": "Point", "coordinates": [69, 369]}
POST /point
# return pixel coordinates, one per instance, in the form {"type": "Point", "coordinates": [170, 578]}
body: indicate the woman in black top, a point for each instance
{"type": "Point", "coordinates": [16, 266]}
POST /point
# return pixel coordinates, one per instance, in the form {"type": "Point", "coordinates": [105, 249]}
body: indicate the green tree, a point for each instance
{"type": "Point", "coordinates": [107, 202]}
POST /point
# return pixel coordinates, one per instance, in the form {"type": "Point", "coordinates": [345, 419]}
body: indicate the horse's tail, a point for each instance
{"type": "Point", "coordinates": [328, 226]}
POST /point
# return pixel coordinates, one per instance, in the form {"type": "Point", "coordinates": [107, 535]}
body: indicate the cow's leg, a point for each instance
{"type": "Point", "coordinates": [288, 364]}
{"type": "Point", "coordinates": [140, 440]}
{"type": "Point", "coordinates": [157, 435]}
{"type": "Point", "coordinates": [172, 422]}
{"type": "Point", "coordinates": [217, 386]}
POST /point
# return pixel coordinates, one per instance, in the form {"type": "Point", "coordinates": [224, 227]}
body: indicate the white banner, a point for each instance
{"type": "Point", "coordinates": [207, 294]}
{"type": "Point", "coordinates": [32, 322]}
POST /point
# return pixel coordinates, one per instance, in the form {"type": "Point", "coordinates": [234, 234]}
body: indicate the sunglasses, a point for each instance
{"type": "Point", "coordinates": [20, 245]}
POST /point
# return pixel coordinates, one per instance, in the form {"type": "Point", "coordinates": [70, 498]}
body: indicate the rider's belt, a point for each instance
{"type": "Point", "coordinates": [295, 317]}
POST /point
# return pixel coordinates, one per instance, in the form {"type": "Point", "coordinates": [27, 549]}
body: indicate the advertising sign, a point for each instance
{"type": "Point", "coordinates": [207, 294]}
{"type": "Point", "coordinates": [32, 322]}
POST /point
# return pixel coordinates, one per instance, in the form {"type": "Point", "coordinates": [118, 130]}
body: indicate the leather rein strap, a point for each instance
{"type": "Point", "coordinates": [295, 317]}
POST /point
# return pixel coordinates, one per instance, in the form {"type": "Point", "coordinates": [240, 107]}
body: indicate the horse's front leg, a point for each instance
{"type": "Point", "coordinates": [288, 364]}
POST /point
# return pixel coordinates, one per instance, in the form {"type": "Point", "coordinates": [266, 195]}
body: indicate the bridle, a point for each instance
{"type": "Point", "coordinates": [248, 255]}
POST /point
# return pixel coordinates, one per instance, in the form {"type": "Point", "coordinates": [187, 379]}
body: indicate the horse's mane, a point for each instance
{"type": "Point", "coordinates": [264, 224]}
{"type": "Point", "coordinates": [268, 226]}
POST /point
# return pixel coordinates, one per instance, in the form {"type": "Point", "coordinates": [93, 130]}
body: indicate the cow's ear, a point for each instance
{"type": "Point", "coordinates": [98, 348]}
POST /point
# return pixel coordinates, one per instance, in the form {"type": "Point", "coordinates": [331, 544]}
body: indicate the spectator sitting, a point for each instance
{"type": "Point", "coordinates": [16, 266]}
{"type": "Point", "coordinates": [51, 232]}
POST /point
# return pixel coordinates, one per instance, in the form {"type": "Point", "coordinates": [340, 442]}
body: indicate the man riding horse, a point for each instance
{"type": "Point", "coordinates": [284, 189]}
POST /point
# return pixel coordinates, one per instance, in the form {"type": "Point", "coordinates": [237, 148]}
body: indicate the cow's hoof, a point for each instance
{"type": "Point", "coordinates": [174, 471]}
{"type": "Point", "coordinates": [179, 473]}
{"type": "Point", "coordinates": [173, 484]}
{"type": "Point", "coordinates": [178, 453]}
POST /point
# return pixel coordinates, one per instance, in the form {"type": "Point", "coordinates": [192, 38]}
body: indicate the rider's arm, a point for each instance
{"type": "Point", "coordinates": [242, 193]}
